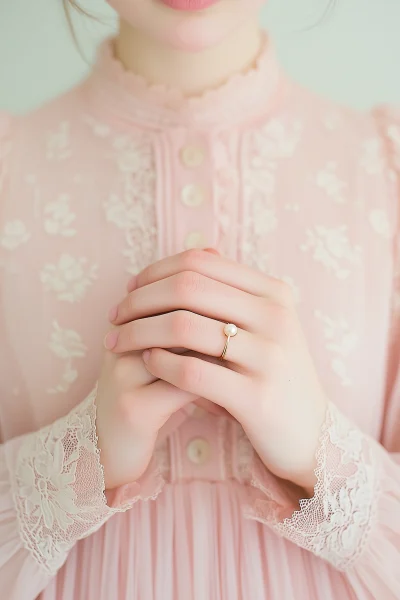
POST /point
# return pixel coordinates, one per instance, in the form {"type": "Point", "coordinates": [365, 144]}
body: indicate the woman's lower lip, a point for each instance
{"type": "Point", "coordinates": [189, 5]}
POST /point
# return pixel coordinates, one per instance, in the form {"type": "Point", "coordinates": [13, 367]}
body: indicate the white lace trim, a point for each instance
{"type": "Point", "coordinates": [58, 486]}
{"type": "Point", "coordinates": [335, 523]}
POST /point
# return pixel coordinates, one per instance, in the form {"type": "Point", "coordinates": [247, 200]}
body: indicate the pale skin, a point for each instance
{"type": "Point", "coordinates": [167, 336]}
{"type": "Point", "coordinates": [268, 382]}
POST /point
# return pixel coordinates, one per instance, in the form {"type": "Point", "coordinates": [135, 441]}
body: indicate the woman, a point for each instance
{"type": "Point", "coordinates": [235, 241]}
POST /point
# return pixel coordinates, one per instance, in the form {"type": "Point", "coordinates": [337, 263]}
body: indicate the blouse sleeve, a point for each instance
{"type": "Point", "coordinates": [353, 518]}
{"type": "Point", "coordinates": [52, 490]}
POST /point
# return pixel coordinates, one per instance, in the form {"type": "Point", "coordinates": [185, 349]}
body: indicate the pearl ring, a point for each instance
{"type": "Point", "coordinates": [230, 330]}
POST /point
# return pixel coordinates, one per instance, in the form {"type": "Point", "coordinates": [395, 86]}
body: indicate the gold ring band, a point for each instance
{"type": "Point", "coordinates": [230, 330]}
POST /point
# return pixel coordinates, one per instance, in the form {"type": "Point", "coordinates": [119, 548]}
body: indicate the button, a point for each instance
{"type": "Point", "coordinates": [195, 240]}
{"type": "Point", "coordinates": [192, 195]}
{"type": "Point", "coordinates": [198, 451]}
{"type": "Point", "coordinates": [192, 156]}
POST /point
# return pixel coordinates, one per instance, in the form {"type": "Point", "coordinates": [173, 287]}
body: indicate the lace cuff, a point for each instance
{"type": "Point", "coordinates": [336, 522]}
{"type": "Point", "coordinates": [58, 485]}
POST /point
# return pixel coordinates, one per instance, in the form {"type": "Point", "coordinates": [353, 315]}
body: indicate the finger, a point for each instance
{"type": "Point", "coordinates": [133, 283]}
{"type": "Point", "coordinates": [191, 331]}
{"type": "Point", "coordinates": [220, 269]}
{"type": "Point", "coordinates": [196, 293]}
{"type": "Point", "coordinates": [161, 400]}
{"type": "Point", "coordinates": [199, 377]}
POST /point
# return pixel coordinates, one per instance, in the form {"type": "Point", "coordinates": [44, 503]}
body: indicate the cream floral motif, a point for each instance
{"type": "Point", "coordinates": [53, 506]}
{"type": "Point", "coordinates": [328, 180]}
{"type": "Point", "coordinates": [278, 138]}
{"type": "Point", "coordinates": [69, 278]}
{"type": "Point", "coordinates": [58, 486]}
{"type": "Point", "coordinates": [292, 206]}
{"type": "Point", "coordinates": [372, 157]}
{"type": "Point", "coordinates": [58, 217]}
{"type": "Point", "coordinates": [263, 149]}
{"type": "Point", "coordinates": [331, 247]}
{"type": "Point", "coordinates": [132, 209]}
{"type": "Point", "coordinates": [341, 341]}
{"type": "Point", "coordinates": [58, 142]}
{"type": "Point", "coordinates": [332, 121]}
{"type": "Point", "coordinates": [335, 523]}
{"type": "Point", "coordinates": [67, 345]}
{"type": "Point", "coordinates": [98, 129]}
{"type": "Point", "coordinates": [226, 182]}
{"type": "Point", "coordinates": [380, 223]}
{"type": "Point", "coordinates": [14, 234]}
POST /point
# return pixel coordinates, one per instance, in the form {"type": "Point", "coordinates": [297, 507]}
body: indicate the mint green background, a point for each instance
{"type": "Point", "coordinates": [353, 55]}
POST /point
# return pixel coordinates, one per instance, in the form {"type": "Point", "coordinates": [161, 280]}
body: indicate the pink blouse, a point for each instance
{"type": "Point", "coordinates": [107, 179]}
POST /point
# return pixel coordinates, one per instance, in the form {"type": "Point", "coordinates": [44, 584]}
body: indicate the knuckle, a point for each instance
{"type": "Point", "coordinates": [284, 293]}
{"type": "Point", "coordinates": [148, 275]}
{"type": "Point", "coordinates": [281, 317]}
{"type": "Point", "coordinates": [126, 307]}
{"type": "Point", "coordinates": [192, 260]}
{"type": "Point", "coordinates": [191, 373]}
{"type": "Point", "coordinates": [188, 284]}
{"type": "Point", "coordinates": [182, 326]}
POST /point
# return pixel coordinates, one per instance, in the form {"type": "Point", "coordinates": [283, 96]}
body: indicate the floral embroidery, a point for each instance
{"type": "Point", "coordinates": [331, 247]}
{"type": "Point", "coordinates": [335, 523]}
{"type": "Point", "coordinates": [69, 278]}
{"type": "Point", "coordinates": [226, 183]}
{"type": "Point", "coordinates": [279, 139]}
{"type": "Point", "coordinates": [341, 341]}
{"type": "Point", "coordinates": [53, 505]}
{"type": "Point", "coordinates": [98, 128]}
{"type": "Point", "coordinates": [372, 157]}
{"type": "Point", "coordinates": [14, 234]}
{"type": "Point", "coordinates": [292, 206]}
{"type": "Point", "coordinates": [59, 217]}
{"type": "Point", "coordinates": [328, 180]}
{"type": "Point", "coordinates": [132, 209]}
{"type": "Point", "coordinates": [332, 121]}
{"type": "Point", "coordinates": [58, 485]}
{"type": "Point", "coordinates": [67, 345]}
{"type": "Point", "coordinates": [380, 223]}
{"type": "Point", "coordinates": [58, 142]}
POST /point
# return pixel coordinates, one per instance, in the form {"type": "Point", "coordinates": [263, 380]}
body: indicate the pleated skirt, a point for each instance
{"type": "Point", "coordinates": [193, 543]}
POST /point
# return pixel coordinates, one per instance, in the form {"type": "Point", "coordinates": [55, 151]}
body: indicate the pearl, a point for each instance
{"type": "Point", "coordinates": [230, 330]}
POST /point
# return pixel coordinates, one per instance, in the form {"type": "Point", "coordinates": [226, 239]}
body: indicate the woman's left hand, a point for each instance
{"type": "Point", "coordinates": [267, 382]}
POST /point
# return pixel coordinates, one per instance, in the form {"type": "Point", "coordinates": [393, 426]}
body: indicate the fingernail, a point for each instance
{"type": "Point", "coordinates": [146, 356]}
{"type": "Point", "coordinates": [132, 284]}
{"type": "Point", "coordinates": [111, 339]}
{"type": "Point", "coordinates": [211, 251]}
{"type": "Point", "coordinates": [113, 314]}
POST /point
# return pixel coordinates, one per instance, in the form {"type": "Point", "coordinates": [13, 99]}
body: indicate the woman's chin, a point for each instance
{"type": "Point", "coordinates": [197, 36]}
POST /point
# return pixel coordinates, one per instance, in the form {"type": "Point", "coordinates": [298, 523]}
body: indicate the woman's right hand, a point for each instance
{"type": "Point", "coordinates": [132, 408]}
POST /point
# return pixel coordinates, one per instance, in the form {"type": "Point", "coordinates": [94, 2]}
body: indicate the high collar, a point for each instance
{"type": "Point", "coordinates": [130, 98]}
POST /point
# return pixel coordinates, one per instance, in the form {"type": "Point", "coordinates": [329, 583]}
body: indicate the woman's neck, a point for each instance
{"type": "Point", "coordinates": [192, 73]}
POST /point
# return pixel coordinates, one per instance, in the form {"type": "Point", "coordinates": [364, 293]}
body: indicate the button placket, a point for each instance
{"type": "Point", "coordinates": [192, 156]}
{"type": "Point", "coordinates": [193, 219]}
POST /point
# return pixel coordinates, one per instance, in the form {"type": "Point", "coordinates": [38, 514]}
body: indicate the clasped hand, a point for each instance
{"type": "Point", "coordinates": [268, 381]}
